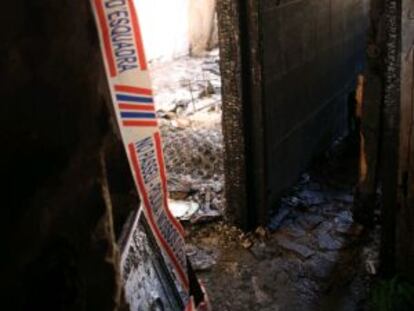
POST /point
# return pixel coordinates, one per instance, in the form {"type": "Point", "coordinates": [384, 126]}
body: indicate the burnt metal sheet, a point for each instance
{"type": "Point", "coordinates": [312, 54]}
{"type": "Point", "coordinates": [287, 68]}
{"type": "Point", "coordinates": [147, 279]}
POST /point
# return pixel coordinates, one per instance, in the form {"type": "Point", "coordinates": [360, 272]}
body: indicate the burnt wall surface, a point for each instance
{"type": "Point", "coordinates": [390, 131]}
{"type": "Point", "coordinates": [61, 162]}
{"type": "Point", "coordinates": [405, 212]}
{"type": "Point", "coordinates": [231, 69]}
{"type": "Point", "coordinates": [312, 53]}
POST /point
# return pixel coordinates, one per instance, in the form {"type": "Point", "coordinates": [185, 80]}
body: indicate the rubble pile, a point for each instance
{"type": "Point", "coordinates": [188, 100]}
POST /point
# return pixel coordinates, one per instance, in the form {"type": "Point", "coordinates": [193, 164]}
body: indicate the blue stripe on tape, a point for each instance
{"type": "Point", "coordinates": [138, 115]}
{"type": "Point", "coordinates": [136, 99]}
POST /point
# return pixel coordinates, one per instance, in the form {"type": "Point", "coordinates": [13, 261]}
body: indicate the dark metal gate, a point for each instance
{"type": "Point", "coordinates": [288, 68]}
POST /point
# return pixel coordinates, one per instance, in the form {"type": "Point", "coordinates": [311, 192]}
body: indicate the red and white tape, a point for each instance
{"type": "Point", "coordinates": [128, 77]}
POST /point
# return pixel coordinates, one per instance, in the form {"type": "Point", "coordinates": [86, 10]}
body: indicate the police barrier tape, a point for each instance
{"type": "Point", "coordinates": [127, 72]}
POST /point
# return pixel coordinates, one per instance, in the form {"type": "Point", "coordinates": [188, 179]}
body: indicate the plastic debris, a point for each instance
{"type": "Point", "coordinates": [183, 210]}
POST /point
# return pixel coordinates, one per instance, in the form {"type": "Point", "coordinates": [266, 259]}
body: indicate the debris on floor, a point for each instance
{"type": "Point", "coordinates": [188, 100]}
{"type": "Point", "coordinates": [311, 257]}
{"type": "Point", "coordinates": [187, 85]}
{"type": "Point", "coordinates": [201, 259]}
{"type": "Point", "coordinates": [183, 210]}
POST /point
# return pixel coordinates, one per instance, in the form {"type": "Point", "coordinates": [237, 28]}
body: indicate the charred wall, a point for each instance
{"type": "Point", "coordinates": [234, 130]}
{"type": "Point", "coordinates": [61, 162]}
{"type": "Point", "coordinates": [405, 210]}
{"type": "Point", "coordinates": [288, 69]}
{"type": "Point", "coordinates": [396, 157]}
{"type": "Point", "coordinates": [312, 54]}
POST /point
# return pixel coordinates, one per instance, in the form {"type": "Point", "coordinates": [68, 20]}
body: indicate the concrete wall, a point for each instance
{"type": "Point", "coordinates": [173, 28]}
{"type": "Point", "coordinates": [165, 27]}
{"type": "Point", "coordinates": [203, 26]}
{"type": "Point", "coordinates": [312, 53]}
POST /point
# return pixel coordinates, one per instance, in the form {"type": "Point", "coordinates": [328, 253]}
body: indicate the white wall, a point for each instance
{"type": "Point", "coordinates": [172, 28]}
{"type": "Point", "coordinates": [203, 26]}
{"type": "Point", "coordinates": [165, 27]}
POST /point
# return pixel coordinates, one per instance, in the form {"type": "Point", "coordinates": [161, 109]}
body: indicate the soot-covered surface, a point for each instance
{"type": "Point", "coordinates": [312, 256]}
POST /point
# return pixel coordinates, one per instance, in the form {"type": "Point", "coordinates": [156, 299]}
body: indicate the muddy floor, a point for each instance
{"type": "Point", "coordinates": [311, 256]}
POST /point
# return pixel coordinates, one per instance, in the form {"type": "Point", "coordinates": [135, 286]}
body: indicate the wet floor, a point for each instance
{"type": "Point", "coordinates": [312, 255]}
